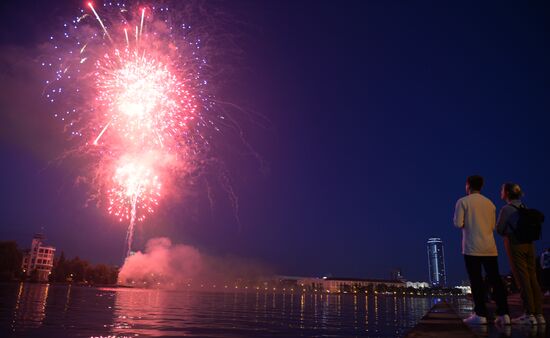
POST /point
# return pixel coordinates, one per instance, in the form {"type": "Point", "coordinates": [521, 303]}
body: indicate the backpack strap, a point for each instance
{"type": "Point", "coordinates": [521, 206]}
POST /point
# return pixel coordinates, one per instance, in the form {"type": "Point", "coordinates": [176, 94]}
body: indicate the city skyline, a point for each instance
{"type": "Point", "coordinates": [436, 276]}
{"type": "Point", "coordinates": [40, 264]}
{"type": "Point", "coordinates": [370, 131]}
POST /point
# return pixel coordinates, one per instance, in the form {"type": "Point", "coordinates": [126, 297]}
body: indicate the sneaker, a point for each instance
{"type": "Point", "coordinates": [540, 320]}
{"type": "Point", "coordinates": [505, 330]}
{"type": "Point", "coordinates": [503, 320]}
{"type": "Point", "coordinates": [475, 320]}
{"type": "Point", "coordinates": [525, 320]}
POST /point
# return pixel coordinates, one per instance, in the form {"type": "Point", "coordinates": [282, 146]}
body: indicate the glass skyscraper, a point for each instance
{"type": "Point", "coordinates": [436, 262]}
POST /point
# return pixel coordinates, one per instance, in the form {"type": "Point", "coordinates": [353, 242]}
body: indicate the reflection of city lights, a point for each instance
{"type": "Point", "coordinates": [30, 305]}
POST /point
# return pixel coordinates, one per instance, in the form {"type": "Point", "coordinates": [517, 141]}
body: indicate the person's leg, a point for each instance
{"type": "Point", "coordinates": [490, 264]}
{"type": "Point", "coordinates": [473, 267]}
{"type": "Point", "coordinates": [509, 253]}
{"type": "Point", "coordinates": [521, 273]}
{"type": "Point", "coordinates": [536, 293]}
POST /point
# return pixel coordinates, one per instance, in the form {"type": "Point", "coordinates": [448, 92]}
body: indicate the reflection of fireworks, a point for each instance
{"type": "Point", "coordinates": [135, 83]}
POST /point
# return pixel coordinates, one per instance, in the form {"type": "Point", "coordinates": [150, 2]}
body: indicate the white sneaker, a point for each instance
{"type": "Point", "coordinates": [541, 320]}
{"type": "Point", "coordinates": [475, 320]}
{"type": "Point", "coordinates": [503, 320]}
{"type": "Point", "coordinates": [525, 320]}
{"type": "Point", "coordinates": [504, 330]}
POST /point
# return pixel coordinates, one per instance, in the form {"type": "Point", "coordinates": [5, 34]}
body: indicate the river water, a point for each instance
{"type": "Point", "coordinates": [42, 310]}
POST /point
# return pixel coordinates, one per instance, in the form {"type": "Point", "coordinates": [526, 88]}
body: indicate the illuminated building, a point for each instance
{"type": "Point", "coordinates": [338, 284]}
{"type": "Point", "coordinates": [436, 262]}
{"type": "Point", "coordinates": [465, 289]}
{"type": "Point", "coordinates": [39, 258]}
{"type": "Point", "coordinates": [417, 285]}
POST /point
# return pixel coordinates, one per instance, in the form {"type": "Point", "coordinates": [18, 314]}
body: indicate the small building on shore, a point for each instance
{"type": "Point", "coordinates": [38, 261]}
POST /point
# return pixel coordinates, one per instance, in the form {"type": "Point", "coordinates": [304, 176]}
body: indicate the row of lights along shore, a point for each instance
{"type": "Point", "coordinates": [292, 290]}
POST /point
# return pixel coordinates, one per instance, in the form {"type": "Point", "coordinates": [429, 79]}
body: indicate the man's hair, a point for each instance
{"type": "Point", "coordinates": [475, 182]}
{"type": "Point", "coordinates": [513, 190]}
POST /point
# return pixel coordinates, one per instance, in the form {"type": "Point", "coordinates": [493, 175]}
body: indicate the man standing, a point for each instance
{"type": "Point", "coordinates": [475, 214]}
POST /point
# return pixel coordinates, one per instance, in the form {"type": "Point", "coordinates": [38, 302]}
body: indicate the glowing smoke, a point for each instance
{"type": "Point", "coordinates": [171, 266]}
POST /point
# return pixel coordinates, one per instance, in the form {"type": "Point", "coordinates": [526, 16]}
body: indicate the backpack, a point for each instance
{"type": "Point", "coordinates": [529, 225]}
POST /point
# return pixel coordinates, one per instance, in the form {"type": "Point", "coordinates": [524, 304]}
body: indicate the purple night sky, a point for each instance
{"type": "Point", "coordinates": [376, 113]}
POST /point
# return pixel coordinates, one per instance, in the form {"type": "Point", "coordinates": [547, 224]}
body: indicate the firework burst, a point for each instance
{"type": "Point", "coordinates": [142, 100]}
{"type": "Point", "coordinates": [136, 99]}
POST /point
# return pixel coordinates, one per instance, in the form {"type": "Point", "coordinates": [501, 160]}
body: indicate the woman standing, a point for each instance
{"type": "Point", "coordinates": [521, 255]}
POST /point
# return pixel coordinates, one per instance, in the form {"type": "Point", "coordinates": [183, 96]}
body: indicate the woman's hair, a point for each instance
{"type": "Point", "coordinates": [513, 190]}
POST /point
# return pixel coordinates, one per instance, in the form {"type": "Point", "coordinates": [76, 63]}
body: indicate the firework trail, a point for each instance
{"type": "Point", "coordinates": [134, 83]}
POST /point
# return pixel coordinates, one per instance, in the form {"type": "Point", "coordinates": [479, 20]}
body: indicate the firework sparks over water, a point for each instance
{"type": "Point", "coordinates": [128, 85]}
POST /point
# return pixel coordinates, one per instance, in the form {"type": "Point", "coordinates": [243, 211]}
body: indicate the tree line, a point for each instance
{"type": "Point", "coordinates": [74, 270]}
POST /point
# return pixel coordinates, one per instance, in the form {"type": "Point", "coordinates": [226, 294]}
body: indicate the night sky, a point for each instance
{"type": "Point", "coordinates": [375, 113]}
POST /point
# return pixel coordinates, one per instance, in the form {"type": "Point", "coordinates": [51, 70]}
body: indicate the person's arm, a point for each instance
{"type": "Point", "coordinates": [502, 223]}
{"type": "Point", "coordinates": [458, 219]}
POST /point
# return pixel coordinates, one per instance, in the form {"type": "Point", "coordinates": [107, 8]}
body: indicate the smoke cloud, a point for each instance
{"type": "Point", "coordinates": [165, 265]}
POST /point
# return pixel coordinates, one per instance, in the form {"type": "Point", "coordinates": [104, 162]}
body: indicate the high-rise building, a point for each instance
{"type": "Point", "coordinates": [436, 262]}
{"type": "Point", "coordinates": [39, 258]}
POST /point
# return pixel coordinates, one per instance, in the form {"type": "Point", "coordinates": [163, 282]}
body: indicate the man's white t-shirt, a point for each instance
{"type": "Point", "coordinates": [476, 215]}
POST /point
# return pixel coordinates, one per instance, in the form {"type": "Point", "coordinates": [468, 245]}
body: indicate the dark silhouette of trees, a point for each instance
{"type": "Point", "coordinates": [59, 273]}
{"type": "Point", "coordinates": [74, 270]}
{"type": "Point", "coordinates": [81, 271]}
{"type": "Point", "coordinates": [10, 261]}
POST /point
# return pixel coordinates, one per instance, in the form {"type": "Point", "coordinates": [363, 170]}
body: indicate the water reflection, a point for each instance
{"type": "Point", "coordinates": [30, 306]}
{"type": "Point", "coordinates": [367, 311]}
{"type": "Point", "coordinates": [65, 311]}
{"type": "Point", "coordinates": [302, 310]}
{"type": "Point", "coordinates": [152, 312]}
{"type": "Point", "coordinates": [67, 298]}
